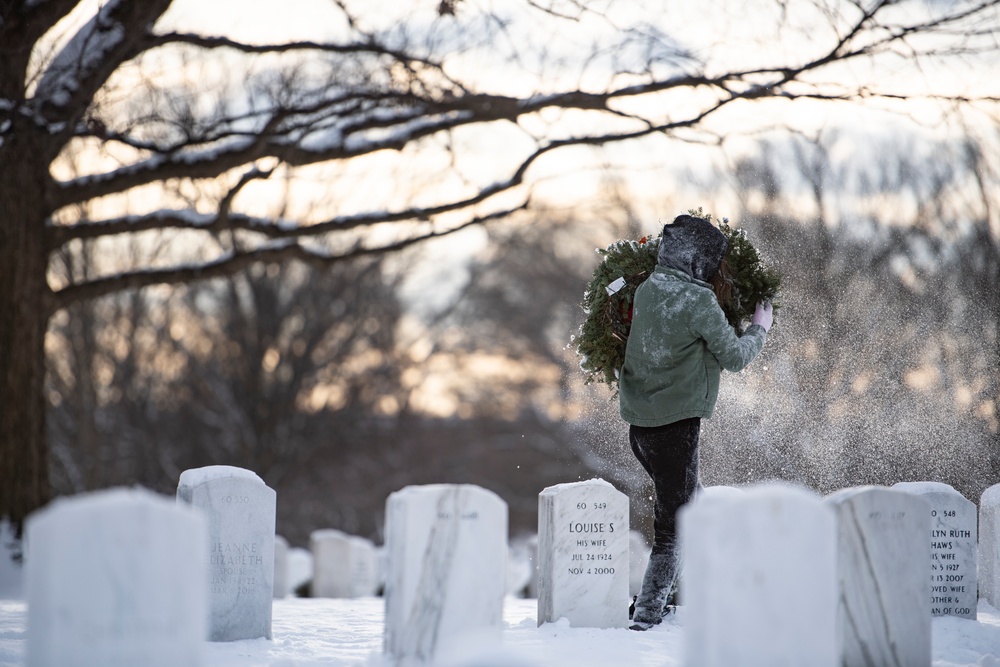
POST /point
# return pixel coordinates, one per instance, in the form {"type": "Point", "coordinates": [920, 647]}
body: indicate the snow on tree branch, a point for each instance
{"type": "Point", "coordinates": [234, 262]}
{"type": "Point", "coordinates": [114, 35]}
{"type": "Point", "coordinates": [186, 219]}
{"type": "Point", "coordinates": [217, 42]}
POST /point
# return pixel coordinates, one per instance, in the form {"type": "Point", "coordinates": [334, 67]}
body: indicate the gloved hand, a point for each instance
{"type": "Point", "coordinates": [763, 315]}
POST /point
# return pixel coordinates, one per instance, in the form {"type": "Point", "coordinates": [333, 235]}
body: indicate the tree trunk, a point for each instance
{"type": "Point", "coordinates": [24, 313]}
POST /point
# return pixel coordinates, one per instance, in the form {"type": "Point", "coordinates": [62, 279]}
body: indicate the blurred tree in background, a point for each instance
{"type": "Point", "coordinates": [884, 365]}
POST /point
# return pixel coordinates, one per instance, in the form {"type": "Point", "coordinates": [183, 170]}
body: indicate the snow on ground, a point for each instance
{"type": "Point", "coordinates": [311, 632]}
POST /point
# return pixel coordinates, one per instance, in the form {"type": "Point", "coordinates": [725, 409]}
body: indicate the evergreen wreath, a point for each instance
{"type": "Point", "coordinates": [626, 264]}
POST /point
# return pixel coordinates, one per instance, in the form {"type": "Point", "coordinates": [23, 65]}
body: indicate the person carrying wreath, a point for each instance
{"type": "Point", "coordinates": [678, 345]}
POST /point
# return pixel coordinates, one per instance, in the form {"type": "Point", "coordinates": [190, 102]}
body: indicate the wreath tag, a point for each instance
{"type": "Point", "coordinates": [614, 287]}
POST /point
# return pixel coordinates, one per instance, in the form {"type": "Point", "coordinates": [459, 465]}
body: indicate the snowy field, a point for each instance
{"type": "Point", "coordinates": [349, 632]}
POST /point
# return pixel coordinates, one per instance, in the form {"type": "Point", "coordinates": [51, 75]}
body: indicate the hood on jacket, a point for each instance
{"type": "Point", "coordinates": [692, 245]}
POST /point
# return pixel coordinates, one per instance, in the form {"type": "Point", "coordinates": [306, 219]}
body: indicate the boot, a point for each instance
{"type": "Point", "coordinates": [657, 585]}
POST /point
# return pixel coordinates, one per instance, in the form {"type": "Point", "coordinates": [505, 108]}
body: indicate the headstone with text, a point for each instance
{"type": "Point", "coordinates": [885, 604]}
{"type": "Point", "coordinates": [954, 551]}
{"type": "Point", "coordinates": [116, 578]}
{"type": "Point", "coordinates": [583, 555]}
{"type": "Point", "coordinates": [344, 566]}
{"type": "Point", "coordinates": [989, 545]}
{"type": "Point", "coordinates": [240, 510]}
{"type": "Point", "coordinates": [760, 579]}
{"type": "Point", "coordinates": [446, 548]}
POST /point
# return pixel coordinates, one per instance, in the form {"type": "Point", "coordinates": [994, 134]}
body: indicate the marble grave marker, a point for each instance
{"type": "Point", "coordinates": [241, 512]}
{"type": "Point", "coordinates": [300, 568]}
{"type": "Point", "coordinates": [280, 567]}
{"type": "Point", "coordinates": [344, 566]}
{"type": "Point", "coordinates": [884, 616]}
{"type": "Point", "coordinates": [989, 545]}
{"type": "Point", "coordinates": [954, 551]}
{"type": "Point", "coordinates": [116, 578]}
{"type": "Point", "coordinates": [446, 547]}
{"type": "Point", "coordinates": [583, 555]}
{"type": "Point", "coordinates": [519, 566]}
{"type": "Point", "coordinates": [760, 579]}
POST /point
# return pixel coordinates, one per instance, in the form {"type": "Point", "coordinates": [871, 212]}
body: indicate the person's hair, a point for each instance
{"type": "Point", "coordinates": [722, 285]}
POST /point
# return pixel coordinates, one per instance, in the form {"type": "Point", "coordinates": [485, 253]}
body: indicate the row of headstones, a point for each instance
{"type": "Point", "coordinates": [109, 574]}
{"type": "Point", "coordinates": [341, 565]}
{"type": "Point", "coordinates": [344, 566]}
{"type": "Point", "coordinates": [778, 575]}
{"type": "Point", "coordinates": [125, 577]}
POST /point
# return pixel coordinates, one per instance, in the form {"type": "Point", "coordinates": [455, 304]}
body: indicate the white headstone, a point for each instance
{"type": "Point", "coordinates": [531, 546]}
{"type": "Point", "coordinates": [300, 567]}
{"type": "Point", "coordinates": [11, 571]}
{"type": "Point", "coordinates": [380, 569]}
{"type": "Point", "coordinates": [760, 579]}
{"type": "Point", "coordinates": [953, 537]}
{"type": "Point", "coordinates": [447, 549]}
{"type": "Point", "coordinates": [343, 565]}
{"type": "Point", "coordinates": [115, 579]}
{"type": "Point", "coordinates": [241, 510]}
{"type": "Point", "coordinates": [280, 567]}
{"type": "Point", "coordinates": [519, 566]}
{"type": "Point", "coordinates": [884, 562]}
{"type": "Point", "coordinates": [638, 559]}
{"type": "Point", "coordinates": [720, 491]}
{"type": "Point", "coordinates": [583, 555]}
{"type": "Point", "coordinates": [989, 546]}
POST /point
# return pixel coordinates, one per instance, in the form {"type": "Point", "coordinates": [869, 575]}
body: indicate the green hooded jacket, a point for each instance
{"type": "Point", "coordinates": [677, 347]}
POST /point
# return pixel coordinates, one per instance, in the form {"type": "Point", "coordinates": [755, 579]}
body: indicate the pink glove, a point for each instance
{"type": "Point", "coordinates": [763, 315]}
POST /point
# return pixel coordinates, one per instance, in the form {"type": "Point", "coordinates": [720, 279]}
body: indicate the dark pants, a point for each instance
{"type": "Point", "coordinates": [670, 456]}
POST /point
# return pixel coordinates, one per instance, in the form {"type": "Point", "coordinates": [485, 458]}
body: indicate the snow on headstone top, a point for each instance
{"type": "Point", "coordinates": [776, 491]}
{"type": "Point", "coordinates": [589, 483]}
{"type": "Point", "coordinates": [91, 501]}
{"type": "Point", "coordinates": [195, 476]}
{"type": "Point", "coordinates": [321, 533]}
{"type": "Point", "coordinates": [849, 492]}
{"type": "Point", "coordinates": [991, 496]}
{"type": "Point", "coordinates": [415, 492]}
{"type": "Point", "coordinates": [721, 492]}
{"type": "Point", "coordinates": [924, 487]}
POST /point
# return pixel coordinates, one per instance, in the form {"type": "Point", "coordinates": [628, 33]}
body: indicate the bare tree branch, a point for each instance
{"type": "Point", "coordinates": [235, 262]}
{"type": "Point", "coordinates": [370, 47]}
{"type": "Point", "coordinates": [273, 229]}
{"type": "Point", "coordinates": [116, 33]}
